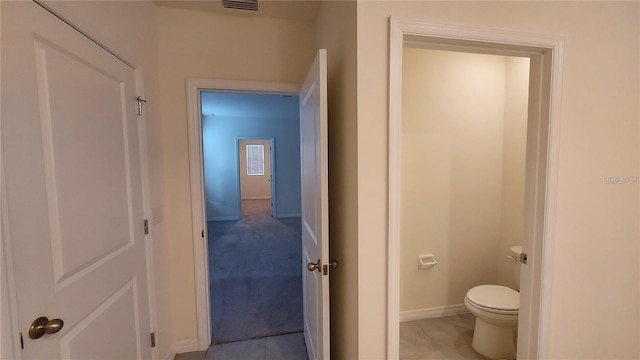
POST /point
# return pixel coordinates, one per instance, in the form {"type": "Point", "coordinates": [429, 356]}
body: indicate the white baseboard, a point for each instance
{"type": "Point", "coordinates": [170, 355]}
{"type": "Point", "coordinates": [434, 312]}
{"type": "Point", "coordinates": [223, 218]}
{"type": "Point", "coordinates": [287, 215]}
{"type": "Point", "coordinates": [182, 347]}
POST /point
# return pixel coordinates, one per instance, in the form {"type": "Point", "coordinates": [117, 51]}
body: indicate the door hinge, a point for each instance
{"type": "Point", "coordinates": [523, 258]}
{"type": "Point", "coordinates": [153, 339]}
{"type": "Point", "coordinates": [202, 234]}
{"type": "Point", "coordinates": [140, 101]}
{"type": "Point", "coordinates": [146, 227]}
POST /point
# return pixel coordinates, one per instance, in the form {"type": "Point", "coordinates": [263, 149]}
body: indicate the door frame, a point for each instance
{"type": "Point", "coordinates": [8, 301]}
{"type": "Point", "coordinates": [194, 86]}
{"type": "Point", "coordinates": [272, 171]}
{"type": "Point", "coordinates": [546, 53]}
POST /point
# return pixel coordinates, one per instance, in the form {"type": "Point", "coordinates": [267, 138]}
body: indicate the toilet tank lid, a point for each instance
{"type": "Point", "coordinates": [495, 297]}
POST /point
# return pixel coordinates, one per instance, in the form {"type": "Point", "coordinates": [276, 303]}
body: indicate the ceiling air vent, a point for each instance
{"type": "Point", "coordinates": [248, 5]}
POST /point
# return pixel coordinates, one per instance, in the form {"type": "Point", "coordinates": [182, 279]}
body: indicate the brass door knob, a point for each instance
{"type": "Point", "coordinates": [333, 264]}
{"type": "Point", "coordinates": [43, 325]}
{"type": "Point", "coordinates": [314, 266]}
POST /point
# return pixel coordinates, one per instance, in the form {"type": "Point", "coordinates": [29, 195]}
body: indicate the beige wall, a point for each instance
{"type": "Point", "coordinates": [462, 180]}
{"type": "Point", "coordinates": [594, 309]}
{"type": "Point", "coordinates": [254, 186]}
{"type": "Point", "coordinates": [336, 32]}
{"type": "Point", "coordinates": [208, 45]}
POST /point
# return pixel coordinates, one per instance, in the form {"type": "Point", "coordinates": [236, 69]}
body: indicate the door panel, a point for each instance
{"type": "Point", "coordinates": [74, 189]}
{"type": "Point", "coordinates": [78, 168]}
{"type": "Point", "coordinates": [315, 207]}
{"type": "Point", "coordinates": [121, 313]}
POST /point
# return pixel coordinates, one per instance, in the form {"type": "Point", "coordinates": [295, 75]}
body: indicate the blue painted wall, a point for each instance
{"type": "Point", "coordinates": [220, 162]}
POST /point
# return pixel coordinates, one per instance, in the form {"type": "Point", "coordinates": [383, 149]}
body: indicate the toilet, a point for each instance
{"type": "Point", "coordinates": [496, 310]}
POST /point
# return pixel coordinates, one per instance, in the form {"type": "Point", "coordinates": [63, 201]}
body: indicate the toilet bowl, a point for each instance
{"type": "Point", "coordinates": [496, 310]}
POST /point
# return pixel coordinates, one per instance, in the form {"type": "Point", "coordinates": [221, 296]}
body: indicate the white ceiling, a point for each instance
{"type": "Point", "coordinates": [301, 10]}
{"type": "Point", "coordinates": [249, 105]}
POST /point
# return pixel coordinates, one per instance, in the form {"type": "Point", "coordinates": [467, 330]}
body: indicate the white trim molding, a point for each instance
{"type": "Point", "coordinates": [434, 312]}
{"type": "Point", "coordinates": [543, 137]}
{"type": "Point", "coordinates": [282, 216]}
{"type": "Point", "coordinates": [199, 222]}
{"type": "Point", "coordinates": [225, 218]}
{"type": "Point", "coordinates": [182, 347]}
{"type": "Point", "coordinates": [10, 345]}
{"type": "Point", "coordinates": [148, 213]}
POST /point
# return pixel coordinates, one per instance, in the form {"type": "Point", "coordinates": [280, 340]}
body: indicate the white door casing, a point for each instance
{"type": "Point", "coordinates": [546, 54]}
{"type": "Point", "coordinates": [74, 184]}
{"type": "Point", "coordinates": [315, 210]}
{"type": "Point", "coordinates": [193, 88]}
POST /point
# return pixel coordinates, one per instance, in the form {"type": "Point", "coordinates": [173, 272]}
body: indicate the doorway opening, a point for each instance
{"type": "Point", "coordinates": [255, 170]}
{"type": "Point", "coordinates": [448, 141]}
{"type": "Point", "coordinates": [253, 232]}
{"type": "Point", "coordinates": [313, 174]}
{"type": "Point", "coordinates": [464, 125]}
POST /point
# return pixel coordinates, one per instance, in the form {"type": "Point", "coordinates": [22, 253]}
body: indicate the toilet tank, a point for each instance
{"type": "Point", "coordinates": [515, 269]}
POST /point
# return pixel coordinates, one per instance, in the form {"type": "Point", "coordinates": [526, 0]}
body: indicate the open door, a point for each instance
{"type": "Point", "coordinates": [72, 165]}
{"type": "Point", "coordinates": [315, 208]}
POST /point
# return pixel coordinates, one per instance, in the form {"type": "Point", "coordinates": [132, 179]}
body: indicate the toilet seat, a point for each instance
{"type": "Point", "coordinates": [495, 299]}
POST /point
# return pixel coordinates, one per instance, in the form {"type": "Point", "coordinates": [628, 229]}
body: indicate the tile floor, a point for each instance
{"type": "Point", "coordinates": [282, 347]}
{"type": "Point", "coordinates": [446, 337]}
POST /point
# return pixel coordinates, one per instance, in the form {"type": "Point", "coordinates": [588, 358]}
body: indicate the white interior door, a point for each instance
{"type": "Point", "coordinates": [315, 208]}
{"type": "Point", "coordinates": [74, 190]}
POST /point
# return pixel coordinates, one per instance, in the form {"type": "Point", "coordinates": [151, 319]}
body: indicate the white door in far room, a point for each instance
{"type": "Point", "coordinates": [72, 166]}
{"type": "Point", "coordinates": [315, 208]}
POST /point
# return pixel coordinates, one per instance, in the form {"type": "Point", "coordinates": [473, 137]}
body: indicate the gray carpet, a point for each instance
{"type": "Point", "coordinates": [255, 275]}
